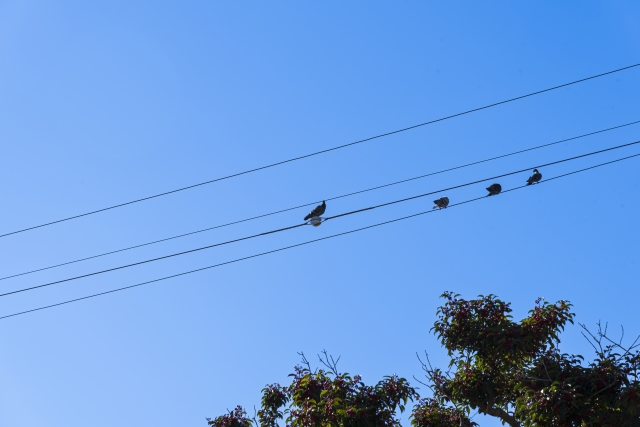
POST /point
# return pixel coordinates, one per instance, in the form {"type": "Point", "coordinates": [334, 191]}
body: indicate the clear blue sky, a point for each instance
{"type": "Point", "coordinates": [104, 102]}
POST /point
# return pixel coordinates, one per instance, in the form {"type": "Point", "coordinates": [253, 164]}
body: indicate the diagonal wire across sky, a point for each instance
{"type": "Point", "coordinates": [315, 202]}
{"type": "Point", "coordinates": [342, 215]}
{"type": "Point", "coordinates": [322, 151]}
{"type": "Point", "coordinates": [305, 243]}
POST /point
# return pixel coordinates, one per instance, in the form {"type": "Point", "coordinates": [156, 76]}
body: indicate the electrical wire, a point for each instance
{"type": "Point", "coordinates": [304, 243]}
{"type": "Point", "coordinates": [319, 152]}
{"type": "Point", "coordinates": [316, 202]}
{"type": "Point", "coordinates": [303, 224]}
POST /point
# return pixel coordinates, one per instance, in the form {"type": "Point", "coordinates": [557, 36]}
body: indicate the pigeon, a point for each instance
{"type": "Point", "coordinates": [494, 189]}
{"type": "Point", "coordinates": [536, 177]}
{"type": "Point", "coordinates": [442, 202]}
{"type": "Point", "coordinates": [317, 211]}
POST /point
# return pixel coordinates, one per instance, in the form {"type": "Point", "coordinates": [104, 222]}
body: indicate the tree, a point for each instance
{"type": "Point", "coordinates": [510, 370]}
{"type": "Point", "coordinates": [325, 397]}
{"type": "Point", "coordinates": [514, 370]}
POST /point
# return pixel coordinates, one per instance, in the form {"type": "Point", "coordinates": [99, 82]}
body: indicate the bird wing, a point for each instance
{"type": "Point", "coordinates": [317, 211]}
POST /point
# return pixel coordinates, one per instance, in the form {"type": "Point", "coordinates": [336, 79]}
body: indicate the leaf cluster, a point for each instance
{"type": "Point", "coordinates": [489, 351]}
{"type": "Point", "coordinates": [514, 370]}
{"type": "Point", "coordinates": [325, 399]}
{"type": "Point", "coordinates": [559, 390]}
{"type": "Point", "coordinates": [431, 413]}
{"type": "Point", "coordinates": [235, 418]}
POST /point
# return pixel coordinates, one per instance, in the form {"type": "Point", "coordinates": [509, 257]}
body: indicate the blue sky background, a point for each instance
{"type": "Point", "coordinates": [104, 102]}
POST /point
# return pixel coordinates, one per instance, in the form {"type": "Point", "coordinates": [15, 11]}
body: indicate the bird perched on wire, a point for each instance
{"type": "Point", "coordinates": [494, 189]}
{"type": "Point", "coordinates": [442, 202]}
{"type": "Point", "coordinates": [317, 211]}
{"type": "Point", "coordinates": [536, 177]}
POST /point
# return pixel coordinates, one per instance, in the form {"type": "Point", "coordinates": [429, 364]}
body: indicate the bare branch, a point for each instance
{"type": "Point", "coordinates": [595, 339]}
{"type": "Point", "coordinates": [305, 361]}
{"type": "Point", "coordinates": [500, 413]}
{"type": "Point", "coordinates": [255, 416]}
{"type": "Point", "coordinates": [545, 368]}
{"type": "Point", "coordinates": [537, 379]}
{"type": "Point", "coordinates": [603, 389]}
{"type": "Point", "coordinates": [329, 362]}
{"type": "Point", "coordinates": [602, 335]}
{"type": "Point", "coordinates": [424, 384]}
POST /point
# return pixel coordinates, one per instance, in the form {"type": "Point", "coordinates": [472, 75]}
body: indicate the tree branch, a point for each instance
{"type": "Point", "coordinates": [500, 413]}
{"type": "Point", "coordinates": [489, 409]}
{"type": "Point", "coordinates": [330, 362]}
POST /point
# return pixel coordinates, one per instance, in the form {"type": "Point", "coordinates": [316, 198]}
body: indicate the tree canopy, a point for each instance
{"type": "Point", "coordinates": [499, 367]}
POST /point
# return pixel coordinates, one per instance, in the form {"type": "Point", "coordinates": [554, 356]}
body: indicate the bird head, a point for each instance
{"type": "Point", "coordinates": [535, 171]}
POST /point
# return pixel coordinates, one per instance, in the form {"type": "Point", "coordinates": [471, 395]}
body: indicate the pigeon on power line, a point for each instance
{"type": "Point", "coordinates": [442, 202]}
{"type": "Point", "coordinates": [317, 211]}
{"type": "Point", "coordinates": [536, 177]}
{"type": "Point", "coordinates": [494, 189]}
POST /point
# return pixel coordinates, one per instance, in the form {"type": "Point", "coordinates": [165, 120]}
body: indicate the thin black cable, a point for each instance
{"type": "Point", "coordinates": [152, 260]}
{"type": "Point", "coordinates": [303, 224]}
{"type": "Point", "coordinates": [304, 243]}
{"type": "Point", "coordinates": [476, 182]}
{"type": "Point", "coordinates": [320, 152]}
{"type": "Point", "coordinates": [313, 203]}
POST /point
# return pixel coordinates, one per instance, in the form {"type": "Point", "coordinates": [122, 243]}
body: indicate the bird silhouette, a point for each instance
{"type": "Point", "coordinates": [494, 189]}
{"type": "Point", "coordinates": [442, 202]}
{"type": "Point", "coordinates": [536, 177]}
{"type": "Point", "coordinates": [317, 211]}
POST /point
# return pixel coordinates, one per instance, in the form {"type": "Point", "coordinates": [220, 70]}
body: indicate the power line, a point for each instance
{"type": "Point", "coordinates": [320, 152]}
{"type": "Point", "coordinates": [303, 224]}
{"type": "Point", "coordinates": [327, 199]}
{"type": "Point", "coordinates": [302, 244]}
{"type": "Point", "coordinates": [482, 180]}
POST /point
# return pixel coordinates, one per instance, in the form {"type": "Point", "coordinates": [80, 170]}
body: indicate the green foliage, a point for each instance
{"type": "Point", "coordinates": [514, 371]}
{"type": "Point", "coordinates": [274, 398]}
{"type": "Point", "coordinates": [235, 418]}
{"type": "Point", "coordinates": [430, 413]}
{"type": "Point", "coordinates": [325, 399]}
{"type": "Point", "coordinates": [557, 390]}
{"type": "Point", "coordinates": [499, 367]}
